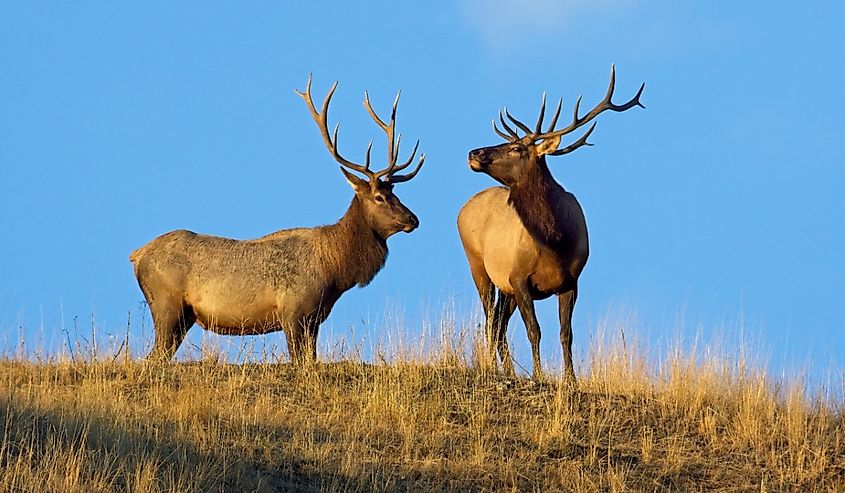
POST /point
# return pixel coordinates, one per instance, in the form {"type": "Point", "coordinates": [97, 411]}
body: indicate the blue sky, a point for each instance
{"type": "Point", "coordinates": [717, 209]}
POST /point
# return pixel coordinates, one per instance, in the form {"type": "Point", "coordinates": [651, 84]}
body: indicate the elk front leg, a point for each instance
{"type": "Point", "coordinates": [487, 293]}
{"type": "Point", "coordinates": [526, 309]}
{"type": "Point", "coordinates": [505, 306]}
{"type": "Point", "coordinates": [312, 322]}
{"type": "Point", "coordinates": [566, 305]}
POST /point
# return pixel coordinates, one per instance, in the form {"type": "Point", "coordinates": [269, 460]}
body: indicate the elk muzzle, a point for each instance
{"type": "Point", "coordinates": [479, 159]}
{"type": "Point", "coordinates": [411, 223]}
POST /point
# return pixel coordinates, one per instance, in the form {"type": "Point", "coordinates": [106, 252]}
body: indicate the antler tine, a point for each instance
{"type": "Point", "coordinates": [612, 86]}
{"type": "Point", "coordinates": [604, 104]}
{"type": "Point", "coordinates": [577, 109]}
{"type": "Point", "coordinates": [554, 118]}
{"type": "Point", "coordinates": [407, 163]}
{"type": "Point", "coordinates": [501, 134]}
{"type": "Point", "coordinates": [402, 178]}
{"type": "Point", "coordinates": [321, 119]}
{"type": "Point", "coordinates": [391, 166]}
{"type": "Point", "coordinates": [372, 113]}
{"type": "Point", "coordinates": [349, 164]}
{"type": "Point", "coordinates": [367, 155]}
{"type": "Point", "coordinates": [395, 105]}
{"type": "Point", "coordinates": [578, 143]}
{"type": "Point", "coordinates": [518, 123]}
{"type": "Point", "coordinates": [635, 101]}
{"type": "Point", "coordinates": [539, 128]}
{"type": "Point", "coordinates": [513, 135]}
{"type": "Point", "coordinates": [389, 128]}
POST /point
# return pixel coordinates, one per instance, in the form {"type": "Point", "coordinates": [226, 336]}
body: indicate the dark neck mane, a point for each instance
{"type": "Point", "coordinates": [537, 200]}
{"type": "Point", "coordinates": [354, 252]}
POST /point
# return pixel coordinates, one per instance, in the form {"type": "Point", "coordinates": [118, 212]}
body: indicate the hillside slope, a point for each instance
{"type": "Point", "coordinates": [347, 426]}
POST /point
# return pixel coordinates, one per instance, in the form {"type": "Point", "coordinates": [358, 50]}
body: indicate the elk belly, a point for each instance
{"type": "Point", "coordinates": [236, 312]}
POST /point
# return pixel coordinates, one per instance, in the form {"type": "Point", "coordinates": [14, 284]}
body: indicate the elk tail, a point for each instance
{"type": "Point", "coordinates": [137, 254]}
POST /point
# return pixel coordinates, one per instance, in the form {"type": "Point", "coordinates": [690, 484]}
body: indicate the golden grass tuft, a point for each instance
{"type": "Point", "coordinates": [424, 417]}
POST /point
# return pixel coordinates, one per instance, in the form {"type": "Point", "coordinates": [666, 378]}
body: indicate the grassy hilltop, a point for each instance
{"type": "Point", "coordinates": [436, 422]}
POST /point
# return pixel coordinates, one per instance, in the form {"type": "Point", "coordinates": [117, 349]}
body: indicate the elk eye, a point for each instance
{"type": "Point", "coordinates": [514, 149]}
{"type": "Point", "coordinates": [379, 199]}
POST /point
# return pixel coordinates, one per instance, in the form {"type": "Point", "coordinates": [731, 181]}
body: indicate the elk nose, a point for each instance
{"type": "Point", "coordinates": [412, 224]}
{"type": "Point", "coordinates": [476, 154]}
{"type": "Point", "coordinates": [477, 159]}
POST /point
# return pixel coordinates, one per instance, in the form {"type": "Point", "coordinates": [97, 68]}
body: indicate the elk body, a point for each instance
{"type": "Point", "coordinates": [528, 240]}
{"type": "Point", "coordinates": [288, 280]}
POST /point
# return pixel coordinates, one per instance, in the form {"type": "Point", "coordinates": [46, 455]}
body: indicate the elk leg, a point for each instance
{"type": "Point", "coordinates": [566, 304]}
{"type": "Point", "coordinates": [310, 325]}
{"type": "Point", "coordinates": [505, 306]}
{"type": "Point", "coordinates": [294, 337]}
{"type": "Point", "coordinates": [526, 309]}
{"type": "Point", "coordinates": [487, 293]}
{"type": "Point", "coordinates": [301, 329]}
{"type": "Point", "coordinates": [312, 341]}
{"type": "Point", "coordinates": [310, 330]}
{"type": "Point", "coordinates": [171, 323]}
{"type": "Point", "coordinates": [290, 337]}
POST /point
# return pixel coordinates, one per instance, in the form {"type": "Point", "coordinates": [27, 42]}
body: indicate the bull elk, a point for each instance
{"type": "Point", "coordinates": [288, 280]}
{"type": "Point", "coordinates": [527, 240]}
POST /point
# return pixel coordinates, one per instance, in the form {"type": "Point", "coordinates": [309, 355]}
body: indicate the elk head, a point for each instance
{"type": "Point", "coordinates": [508, 163]}
{"type": "Point", "coordinates": [382, 209]}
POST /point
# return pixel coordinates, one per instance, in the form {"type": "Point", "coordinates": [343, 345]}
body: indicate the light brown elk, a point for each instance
{"type": "Point", "coordinates": [527, 240]}
{"type": "Point", "coordinates": [288, 280]}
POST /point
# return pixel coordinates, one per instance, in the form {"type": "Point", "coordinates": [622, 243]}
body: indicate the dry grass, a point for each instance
{"type": "Point", "coordinates": [418, 420]}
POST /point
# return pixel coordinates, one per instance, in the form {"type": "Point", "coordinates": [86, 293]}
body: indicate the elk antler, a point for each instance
{"type": "Point", "coordinates": [321, 118]}
{"type": "Point", "coordinates": [393, 150]}
{"type": "Point", "coordinates": [577, 121]}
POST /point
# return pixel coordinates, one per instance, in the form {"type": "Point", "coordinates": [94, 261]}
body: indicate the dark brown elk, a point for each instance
{"type": "Point", "coordinates": [288, 280]}
{"type": "Point", "coordinates": [527, 240]}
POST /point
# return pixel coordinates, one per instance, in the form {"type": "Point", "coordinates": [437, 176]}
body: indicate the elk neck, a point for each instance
{"type": "Point", "coordinates": [539, 201]}
{"type": "Point", "coordinates": [355, 251]}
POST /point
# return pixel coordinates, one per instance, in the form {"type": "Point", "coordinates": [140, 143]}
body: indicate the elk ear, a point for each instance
{"type": "Point", "coordinates": [357, 183]}
{"type": "Point", "coordinates": [548, 146]}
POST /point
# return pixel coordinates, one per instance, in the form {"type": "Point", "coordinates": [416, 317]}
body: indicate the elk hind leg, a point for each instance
{"type": "Point", "coordinates": [171, 321]}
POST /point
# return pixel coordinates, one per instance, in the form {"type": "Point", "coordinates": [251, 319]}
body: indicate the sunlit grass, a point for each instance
{"type": "Point", "coordinates": [420, 414]}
